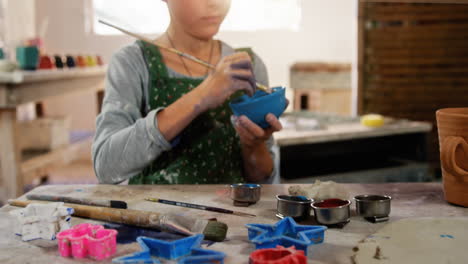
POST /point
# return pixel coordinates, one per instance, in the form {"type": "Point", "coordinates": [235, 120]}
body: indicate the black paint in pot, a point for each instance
{"type": "Point", "coordinates": [297, 207]}
{"type": "Point", "coordinates": [373, 205]}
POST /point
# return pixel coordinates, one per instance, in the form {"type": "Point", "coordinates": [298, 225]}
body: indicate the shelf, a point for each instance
{"type": "Point", "coordinates": [18, 77]}
{"type": "Point", "coordinates": [38, 163]}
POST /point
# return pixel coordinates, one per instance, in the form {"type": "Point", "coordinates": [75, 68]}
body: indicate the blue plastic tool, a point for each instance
{"type": "Point", "coordinates": [285, 233]}
{"type": "Point", "coordinates": [184, 251]}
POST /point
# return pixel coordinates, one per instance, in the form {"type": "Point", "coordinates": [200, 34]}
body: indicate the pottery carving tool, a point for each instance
{"type": "Point", "coordinates": [213, 230]}
{"type": "Point", "coordinates": [83, 201]}
{"type": "Point", "coordinates": [178, 52]}
{"type": "Point", "coordinates": [199, 207]}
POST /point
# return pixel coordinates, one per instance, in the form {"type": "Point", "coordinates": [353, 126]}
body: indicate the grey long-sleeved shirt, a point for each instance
{"type": "Point", "coordinates": [127, 136]}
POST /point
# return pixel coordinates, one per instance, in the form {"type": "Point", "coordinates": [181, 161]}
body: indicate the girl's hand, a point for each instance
{"type": "Point", "coordinates": [233, 73]}
{"type": "Point", "coordinates": [251, 135]}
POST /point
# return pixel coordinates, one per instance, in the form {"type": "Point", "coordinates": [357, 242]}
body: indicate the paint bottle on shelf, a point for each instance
{"type": "Point", "coordinates": [59, 64]}
{"type": "Point", "coordinates": [46, 63]}
{"type": "Point", "coordinates": [81, 61]}
{"type": "Point", "coordinates": [70, 61]}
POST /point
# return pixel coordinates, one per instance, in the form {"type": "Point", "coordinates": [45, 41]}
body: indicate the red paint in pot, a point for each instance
{"type": "Point", "coordinates": [330, 203]}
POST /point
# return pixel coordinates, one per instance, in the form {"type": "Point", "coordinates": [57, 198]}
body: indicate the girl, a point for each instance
{"type": "Point", "coordinates": [166, 119]}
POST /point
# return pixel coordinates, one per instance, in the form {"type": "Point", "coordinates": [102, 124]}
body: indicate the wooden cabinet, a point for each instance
{"type": "Point", "coordinates": [412, 59]}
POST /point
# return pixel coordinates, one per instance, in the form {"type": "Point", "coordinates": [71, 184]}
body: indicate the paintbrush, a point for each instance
{"type": "Point", "coordinates": [212, 230]}
{"type": "Point", "coordinates": [83, 201]}
{"type": "Point", "coordinates": [199, 207]}
{"type": "Point", "coordinates": [180, 53]}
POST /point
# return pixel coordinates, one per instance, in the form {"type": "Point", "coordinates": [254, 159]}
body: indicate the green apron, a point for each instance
{"type": "Point", "coordinates": [209, 150]}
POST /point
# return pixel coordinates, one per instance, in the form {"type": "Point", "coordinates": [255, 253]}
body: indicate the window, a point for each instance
{"type": "Point", "coordinates": [151, 16]}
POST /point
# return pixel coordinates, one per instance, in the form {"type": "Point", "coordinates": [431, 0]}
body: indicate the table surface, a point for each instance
{"type": "Point", "coordinates": [348, 131]}
{"type": "Point", "coordinates": [409, 200]}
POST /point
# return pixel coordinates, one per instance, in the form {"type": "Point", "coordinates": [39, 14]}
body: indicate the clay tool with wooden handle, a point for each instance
{"type": "Point", "coordinates": [74, 200]}
{"type": "Point", "coordinates": [213, 230]}
{"type": "Point", "coordinates": [178, 52]}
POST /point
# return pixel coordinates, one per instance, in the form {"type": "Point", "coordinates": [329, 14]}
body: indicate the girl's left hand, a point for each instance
{"type": "Point", "coordinates": [251, 135]}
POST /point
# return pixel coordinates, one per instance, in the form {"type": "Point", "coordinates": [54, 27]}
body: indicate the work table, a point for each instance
{"type": "Point", "coordinates": [350, 130]}
{"type": "Point", "coordinates": [409, 200]}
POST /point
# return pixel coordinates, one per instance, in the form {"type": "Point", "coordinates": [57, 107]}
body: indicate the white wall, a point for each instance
{"type": "Point", "coordinates": [327, 34]}
{"type": "Point", "coordinates": [19, 25]}
{"type": "Point", "coordinates": [19, 21]}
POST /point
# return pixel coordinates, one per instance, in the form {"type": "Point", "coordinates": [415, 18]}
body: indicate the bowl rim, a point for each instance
{"type": "Point", "coordinates": [348, 204]}
{"type": "Point", "coordinates": [281, 89]}
{"type": "Point", "coordinates": [362, 198]}
{"type": "Point", "coordinates": [280, 199]}
{"type": "Point", "coordinates": [453, 111]}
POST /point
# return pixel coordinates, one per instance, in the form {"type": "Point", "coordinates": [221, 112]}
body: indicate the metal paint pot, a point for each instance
{"type": "Point", "coordinates": [332, 211]}
{"type": "Point", "coordinates": [373, 206]}
{"type": "Point", "coordinates": [297, 207]}
{"type": "Point", "coordinates": [245, 193]}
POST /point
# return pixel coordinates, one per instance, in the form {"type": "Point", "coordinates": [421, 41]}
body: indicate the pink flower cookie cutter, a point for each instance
{"type": "Point", "coordinates": [85, 240]}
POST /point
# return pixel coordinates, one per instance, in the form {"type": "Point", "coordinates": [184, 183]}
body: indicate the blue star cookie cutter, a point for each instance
{"type": "Point", "coordinates": [285, 233]}
{"type": "Point", "coordinates": [184, 251]}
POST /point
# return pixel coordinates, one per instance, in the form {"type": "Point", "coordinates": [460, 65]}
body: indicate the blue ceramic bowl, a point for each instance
{"type": "Point", "coordinates": [257, 107]}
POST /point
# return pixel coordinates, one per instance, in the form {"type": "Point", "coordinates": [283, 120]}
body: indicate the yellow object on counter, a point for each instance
{"type": "Point", "coordinates": [372, 120]}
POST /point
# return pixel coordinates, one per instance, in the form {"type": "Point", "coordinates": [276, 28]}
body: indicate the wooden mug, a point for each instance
{"type": "Point", "coordinates": [452, 126]}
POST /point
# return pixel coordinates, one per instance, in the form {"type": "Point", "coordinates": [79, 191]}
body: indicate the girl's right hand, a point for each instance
{"type": "Point", "coordinates": [233, 73]}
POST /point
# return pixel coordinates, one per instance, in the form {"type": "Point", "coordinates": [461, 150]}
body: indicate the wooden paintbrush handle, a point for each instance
{"type": "Point", "coordinates": [196, 206]}
{"type": "Point", "coordinates": [188, 56]}
{"type": "Point", "coordinates": [83, 201]}
{"type": "Point", "coordinates": [122, 216]}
